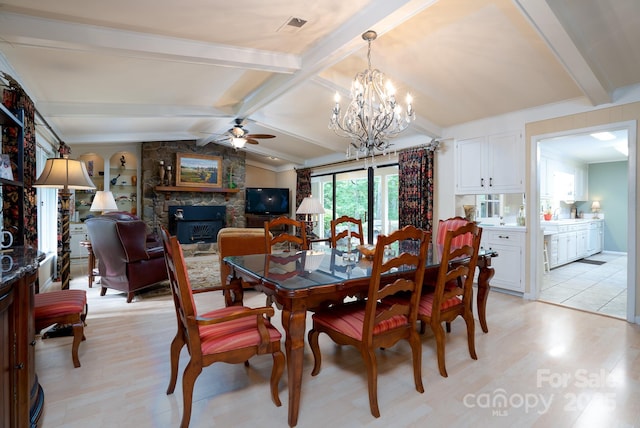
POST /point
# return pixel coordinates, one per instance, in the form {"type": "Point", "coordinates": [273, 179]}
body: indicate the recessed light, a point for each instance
{"type": "Point", "coordinates": [603, 136]}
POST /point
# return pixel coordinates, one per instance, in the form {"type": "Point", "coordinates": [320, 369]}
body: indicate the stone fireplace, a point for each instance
{"type": "Point", "coordinates": [158, 206]}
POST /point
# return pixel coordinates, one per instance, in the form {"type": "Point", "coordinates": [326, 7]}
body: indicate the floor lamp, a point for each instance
{"type": "Point", "coordinates": [65, 174]}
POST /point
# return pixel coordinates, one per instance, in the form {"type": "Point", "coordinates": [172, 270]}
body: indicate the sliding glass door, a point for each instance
{"type": "Point", "coordinates": [370, 195]}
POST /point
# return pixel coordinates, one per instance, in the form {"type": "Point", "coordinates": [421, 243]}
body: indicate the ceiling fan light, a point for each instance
{"type": "Point", "coordinates": [238, 143]}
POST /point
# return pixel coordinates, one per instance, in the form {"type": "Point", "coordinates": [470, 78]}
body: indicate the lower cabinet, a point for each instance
{"type": "Point", "coordinates": [77, 234]}
{"type": "Point", "coordinates": [21, 396]}
{"type": "Point", "coordinates": [570, 242]}
{"type": "Point", "coordinates": [509, 265]}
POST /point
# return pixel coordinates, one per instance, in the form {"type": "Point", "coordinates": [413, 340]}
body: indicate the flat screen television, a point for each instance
{"type": "Point", "coordinates": [266, 200]}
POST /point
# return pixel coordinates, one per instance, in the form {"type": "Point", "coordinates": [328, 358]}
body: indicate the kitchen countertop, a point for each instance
{"type": "Point", "coordinates": [508, 226]}
{"type": "Point", "coordinates": [563, 221]}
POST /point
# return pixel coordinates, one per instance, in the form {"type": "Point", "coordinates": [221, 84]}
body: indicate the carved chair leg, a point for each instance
{"type": "Point", "coordinates": [191, 373]}
{"type": "Point", "coordinates": [78, 336]}
{"type": "Point", "coordinates": [416, 349]}
{"type": "Point", "coordinates": [315, 349]}
{"type": "Point", "coordinates": [276, 374]}
{"type": "Point", "coordinates": [438, 331]}
{"type": "Point", "coordinates": [176, 346]}
{"type": "Point", "coordinates": [369, 358]}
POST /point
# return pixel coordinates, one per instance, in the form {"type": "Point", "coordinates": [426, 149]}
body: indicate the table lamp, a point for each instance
{"type": "Point", "coordinates": [65, 174]}
{"type": "Point", "coordinates": [103, 201]}
{"type": "Point", "coordinates": [595, 209]}
{"type": "Point", "coordinates": [311, 208]}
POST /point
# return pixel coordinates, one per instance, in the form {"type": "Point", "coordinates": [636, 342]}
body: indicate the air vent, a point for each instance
{"type": "Point", "coordinates": [292, 25]}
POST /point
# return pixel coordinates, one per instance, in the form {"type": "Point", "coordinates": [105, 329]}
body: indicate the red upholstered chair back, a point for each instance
{"type": "Point", "coordinates": [453, 223]}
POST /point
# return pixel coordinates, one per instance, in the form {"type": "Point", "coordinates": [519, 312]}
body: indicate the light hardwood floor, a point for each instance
{"type": "Point", "coordinates": [539, 365]}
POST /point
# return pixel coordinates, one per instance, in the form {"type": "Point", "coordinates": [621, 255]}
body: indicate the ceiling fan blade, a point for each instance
{"type": "Point", "coordinates": [251, 140]}
{"type": "Point", "coordinates": [260, 136]}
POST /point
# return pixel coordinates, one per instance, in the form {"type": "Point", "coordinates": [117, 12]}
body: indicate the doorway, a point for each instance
{"type": "Point", "coordinates": [578, 282]}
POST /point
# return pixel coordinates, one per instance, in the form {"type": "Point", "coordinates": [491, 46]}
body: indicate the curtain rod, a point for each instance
{"type": "Point", "coordinates": [46, 124]}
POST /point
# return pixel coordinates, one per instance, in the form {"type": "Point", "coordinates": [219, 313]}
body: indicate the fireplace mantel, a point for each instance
{"type": "Point", "coordinates": [169, 189]}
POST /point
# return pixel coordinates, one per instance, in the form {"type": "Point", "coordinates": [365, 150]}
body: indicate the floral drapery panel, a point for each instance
{"type": "Point", "coordinates": [416, 172]}
{"type": "Point", "coordinates": [303, 188]}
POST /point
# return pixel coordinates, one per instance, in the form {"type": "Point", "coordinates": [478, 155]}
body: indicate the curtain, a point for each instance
{"type": "Point", "coordinates": [303, 189]}
{"type": "Point", "coordinates": [416, 171]}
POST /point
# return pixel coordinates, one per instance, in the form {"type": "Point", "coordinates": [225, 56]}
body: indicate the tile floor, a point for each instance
{"type": "Point", "coordinates": [594, 288]}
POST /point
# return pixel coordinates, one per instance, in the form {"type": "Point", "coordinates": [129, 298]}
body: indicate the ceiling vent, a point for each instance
{"type": "Point", "coordinates": [292, 25]}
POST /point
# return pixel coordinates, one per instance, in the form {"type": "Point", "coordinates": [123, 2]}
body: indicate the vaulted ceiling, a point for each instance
{"type": "Point", "coordinates": [160, 70]}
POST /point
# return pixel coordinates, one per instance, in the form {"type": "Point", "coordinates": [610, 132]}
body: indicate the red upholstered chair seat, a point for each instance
{"type": "Point", "coordinates": [230, 335]}
{"type": "Point", "coordinates": [348, 319]}
{"type": "Point", "coordinates": [63, 307]}
{"type": "Point", "coordinates": [426, 303]}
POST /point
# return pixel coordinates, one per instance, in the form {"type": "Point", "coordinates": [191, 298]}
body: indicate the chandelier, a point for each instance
{"type": "Point", "coordinates": [373, 116]}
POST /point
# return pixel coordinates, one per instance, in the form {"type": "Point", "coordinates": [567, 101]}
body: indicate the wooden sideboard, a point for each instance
{"type": "Point", "coordinates": [21, 396]}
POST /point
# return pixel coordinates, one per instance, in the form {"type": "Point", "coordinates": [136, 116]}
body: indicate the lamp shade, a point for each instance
{"type": "Point", "coordinates": [310, 205]}
{"type": "Point", "coordinates": [595, 206]}
{"type": "Point", "coordinates": [65, 173]}
{"type": "Point", "coordinates": [103, 201]}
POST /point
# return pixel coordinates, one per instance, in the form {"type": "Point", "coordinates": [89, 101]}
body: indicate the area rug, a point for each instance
{"type": "Point", "coordinates": [204, 271]}
{"type": "Point", "coordinates": [591, 262]}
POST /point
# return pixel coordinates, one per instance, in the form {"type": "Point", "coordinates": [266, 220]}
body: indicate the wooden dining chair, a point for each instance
{"type": "Point", "coordinates": [274, 238]}
{"type": "Point", "coordinates": [372, 323]}
{"type": "Point", "coordinates": [453, 292]}
{"type": "Point", "coordinates": [345, 226]}
{"type": "Point", "coordinates": [451, 223]}
{"type": "Point", "coordinates": [232, 334]}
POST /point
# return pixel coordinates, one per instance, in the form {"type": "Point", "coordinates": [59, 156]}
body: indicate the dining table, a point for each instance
{"type": "Point", "coordinates": [303, 281]}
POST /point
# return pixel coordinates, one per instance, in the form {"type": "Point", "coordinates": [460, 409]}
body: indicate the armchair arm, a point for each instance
{"type": "Point", "coordinates": [247, 312]}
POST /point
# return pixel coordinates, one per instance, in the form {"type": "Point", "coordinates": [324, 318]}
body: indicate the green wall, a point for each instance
{"type": "Point", "coordinates": [608, 183]}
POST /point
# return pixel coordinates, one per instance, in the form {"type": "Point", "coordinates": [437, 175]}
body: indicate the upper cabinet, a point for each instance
{"type": "Point", "coordinates": [490, 164]}
{"type": "Point", "coordinates": [562, 178]}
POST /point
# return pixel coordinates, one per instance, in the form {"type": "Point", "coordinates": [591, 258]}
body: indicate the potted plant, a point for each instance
{"type": "Point", "coordinates": [547, 214]}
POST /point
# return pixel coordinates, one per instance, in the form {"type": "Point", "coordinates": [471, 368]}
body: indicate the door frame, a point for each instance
{"type": "Point", "coordinates": [533, 210]}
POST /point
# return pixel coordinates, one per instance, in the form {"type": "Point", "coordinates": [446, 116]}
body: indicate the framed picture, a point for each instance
{"type": "Point", "coordinates": [198, 170]}
{"type": "Point", "coordinates": [5, 167]}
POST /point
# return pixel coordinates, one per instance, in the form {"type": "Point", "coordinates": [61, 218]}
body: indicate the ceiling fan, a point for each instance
{"type": "Point", "coordinates": [239, 136]}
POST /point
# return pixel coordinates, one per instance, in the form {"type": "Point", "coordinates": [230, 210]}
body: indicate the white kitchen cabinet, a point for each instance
{"type": "Point", "coordinates": [509, 265]}
{"type": "Point", "coordinates": [581, 243]}
{"type": "Point", "coordinates": [546, 177]}
{"type": "Point", "coordinates": [581, 182]}
{"type": "Point", "coordinates": [77, 233]}
{"type": "Point", "coordinates": [594, 237]}
{"type": "Point", "coordinates": [571, 240]}
{"type": "Point", "coordinates": [492, 164]}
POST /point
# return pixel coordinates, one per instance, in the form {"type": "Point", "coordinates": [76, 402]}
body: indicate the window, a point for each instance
{"type": "Point", "coordinates": [370, 195]}
{"type": "Point", "coordinates": [47, 209]}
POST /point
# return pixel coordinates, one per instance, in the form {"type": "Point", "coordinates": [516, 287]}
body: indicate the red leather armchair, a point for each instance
{"type": "Point", "coordinates": [127, 260]}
